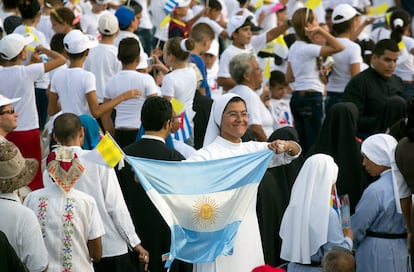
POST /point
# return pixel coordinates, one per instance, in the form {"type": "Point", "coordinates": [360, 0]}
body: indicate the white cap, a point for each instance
{"type": "Point", "coordinates": [142, 61]}
{"type": "Point", "coordinates": [183, 3]}
{"type": "Point", "coordinates": [214, 48]}
{"type": "Point", "coordinates": [343, 13]}
{"type": "Point", "coordinates": [7, 101]}
{"type": "Point", "coordinates": [12, 44]}
{"type": "Point", "coordinates": [76, 42]}
{"type": "Point", "coordinates": [103, 2]}
{"type": "Point", "coordinates": [108, 24]}
{"type": "Point", "coordinates": [236, 22]}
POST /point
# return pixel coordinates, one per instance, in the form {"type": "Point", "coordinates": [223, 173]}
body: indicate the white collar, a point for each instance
{"type": "Point", "coordinates": [153, 137]}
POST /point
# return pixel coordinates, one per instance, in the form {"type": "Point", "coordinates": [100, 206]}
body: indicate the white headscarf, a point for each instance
{"type": "Point", "coordinates": [304, 227]}
{"type": "Point", "coordinates": [216, 113]}
{"type": "Point", "coordinates": [380, 149]}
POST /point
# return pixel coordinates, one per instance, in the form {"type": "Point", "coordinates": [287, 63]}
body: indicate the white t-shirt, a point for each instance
{"type": "Point", "coordinates": [157, 11]}
{"type": "Point", "coordinates": [257, 43]}
{"type": "Point", "coordinates": [405, 62]}
{"type": "Point", "coordinates": [72, 85]}
{"type": "Point", "coordinates": [146, 17]}
{"type": "Point", "coordinates": [39, 39]}
{"type": "Point", "coordinates": [67, 222]}
{"type": "Point", "coordinates": [302, 57]}
{"type": "Point", "coordinates": [45, 26]}
{"type": "Point", "coordinates": [18, 81]}
{"type": "Point", "coordinates": [258, 113]}
{"type": "Point", "coordinates": [380, 33]}
{"type": "Point", "coordinates": [89, 22]}
{"type": "Point", "coordinates": [270, 20]}
{"type": "Point", "coordinates": [340, 74]}
{"type": "Point", "coordinates": [22, 229]}
{"type": "Point", "coordinates": [181, 84]}
{"type": "Point", "coordinates": [128, 113]}
{"type": "Point", "coordinates": [281, 113]}
{"type": "Point", "coordinates": [103, 62]}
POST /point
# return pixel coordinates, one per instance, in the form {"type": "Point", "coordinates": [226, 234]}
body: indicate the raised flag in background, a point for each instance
{"type": "Point", "coordinates": [203, 202]}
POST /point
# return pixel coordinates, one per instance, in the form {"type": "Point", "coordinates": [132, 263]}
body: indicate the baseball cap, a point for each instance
{"type": "Point", "coordinates": [12, 44]}
{"type": "Point", "coordinates": [214, 48]}
{"type": "Point", "coordinates": [343, 13]}
{"type": "Point", "coordinates": [76, 42]}
{"type": "Point", "coordinates": [108, 24]}
{"type": "Point", "coordinates": [183, 3]}
{"type": "Point", "coordinates": [238, 21]}
{"type": "Point", "coordinates": [125, 15]}
{"type": "Point", "coordinates": [7, 101]}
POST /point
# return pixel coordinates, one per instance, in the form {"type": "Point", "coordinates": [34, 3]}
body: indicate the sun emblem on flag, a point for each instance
{"type": "Point", "coordinates": [205, 211]}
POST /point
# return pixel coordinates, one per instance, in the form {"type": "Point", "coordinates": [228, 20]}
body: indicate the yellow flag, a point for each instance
{"type": "Point", "coordinates": [258, 4]}
{"type": "Point", "coordinates": [401, 45]}
{"type": "Point", "coordinates": [109, 150]}
{"type": "Point", "coordinates": [177, 105]}
{"type": "Point", "coordinates": [166, 20]}
{"type": "Point", "coordinates": [312, 4]}
{"type": "Point", "coordinates": [266, 73]}
{"type": "Point", "coordinates": [378, 10]}
{"type": "Point", "coordinates": [388, 18]}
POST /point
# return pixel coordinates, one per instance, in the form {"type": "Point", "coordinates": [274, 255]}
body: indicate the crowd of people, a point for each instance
{"type": "Point", "coordinates": [329, 87]}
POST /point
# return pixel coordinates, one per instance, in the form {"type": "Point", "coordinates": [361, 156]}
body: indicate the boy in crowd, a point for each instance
{"type": "Point", "coordinates": [278, 104]}
{"type": "Point", "coordinates": [128, 113]}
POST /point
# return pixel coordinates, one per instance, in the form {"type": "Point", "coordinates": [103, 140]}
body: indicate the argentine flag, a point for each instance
{"type": "Point", "coordinates": [203, 202]}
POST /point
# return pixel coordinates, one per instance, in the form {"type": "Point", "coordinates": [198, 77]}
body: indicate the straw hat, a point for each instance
{"type": "Point", "coordinates": [15, 171]}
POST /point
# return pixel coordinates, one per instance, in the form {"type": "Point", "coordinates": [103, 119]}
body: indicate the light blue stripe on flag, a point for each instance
{"type": "Point", "coordinates": [204, 202]}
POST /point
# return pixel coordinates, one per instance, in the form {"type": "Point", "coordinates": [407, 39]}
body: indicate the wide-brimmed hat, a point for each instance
{"type": "Point", "coordinates": [64, 167]}
{"type": "Point", "coordinates": [15, 171]}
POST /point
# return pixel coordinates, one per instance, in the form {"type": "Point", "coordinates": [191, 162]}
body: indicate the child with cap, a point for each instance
{"type": "Point", "coordinates": [239, 30]}
{"type": "Point", "coordinates": [178, 27]}
{"type": "Point", "coordinates": [101, 183]}
{"type": "Point", "coordinates": [8, 116]}
{"type": "Point", "coordinates": [128, 113]}
{"type": "Point", "coordinates": [102, 60]}
{"type": "Point", "coordinates": [89, 21]}
{"type": "Point", "coordinates": [212, 64]}
{"type": "Point", "coordinates": [74, 87]}
{"type": "Point", "coordinates": [18, 222]}
{"type": "Point", "coordinates": [18, 80]}
{"type": "Point", "coordinates": [347, 63]}
{"type": "Point", "coordinates": [129, 19]}
{"type": "Point", "coordinates": [30, 12]}
{"type": "Point", "coordinates": [278, 104]}
{"type": "Point", "coordinates": [69, 219]}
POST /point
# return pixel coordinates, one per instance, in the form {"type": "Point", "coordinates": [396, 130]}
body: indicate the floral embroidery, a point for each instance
{"type": "Point", "coordinates": [68, 227]}
{"type": "Point", "coordinates": [41, 214]}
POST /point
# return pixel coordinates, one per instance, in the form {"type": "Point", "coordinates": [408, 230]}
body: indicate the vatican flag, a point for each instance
{"type": "Point", "coordinates": [203, 202]}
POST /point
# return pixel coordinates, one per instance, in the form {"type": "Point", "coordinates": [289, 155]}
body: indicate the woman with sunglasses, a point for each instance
{"type": "Point", "coordinates": [304, 71]}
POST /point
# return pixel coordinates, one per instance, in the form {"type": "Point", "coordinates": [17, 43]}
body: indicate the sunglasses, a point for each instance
{"type": "Point", "coordinates": [12, 111]}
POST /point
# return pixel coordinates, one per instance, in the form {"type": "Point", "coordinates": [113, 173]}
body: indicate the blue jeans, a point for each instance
{"type": "Point", "coordinates": [331, 99]}
{"type": "Point", "coordinates": [145, 36]}
{"type": "Point", "coordinates": [41, 104]}
{"type": "Point", "coordinates": [307, 111]}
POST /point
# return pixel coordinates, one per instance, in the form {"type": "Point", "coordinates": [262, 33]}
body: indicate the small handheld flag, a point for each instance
{"type": "Point", "coordinates": [107, 152]}
{"type": "Point", "coordinates": [312, 4]}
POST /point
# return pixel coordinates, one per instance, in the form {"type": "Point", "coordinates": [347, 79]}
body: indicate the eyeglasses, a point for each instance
{"type": "Point", "coordinates": [236, 115]}
{"type": "Point", "coordinates": [12, 111]}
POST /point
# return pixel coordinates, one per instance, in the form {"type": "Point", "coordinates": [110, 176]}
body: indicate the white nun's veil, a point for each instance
{"type": "Point", "coordinates": [214, 121]}
{"type": "Point", "coordinates": [304, 227]}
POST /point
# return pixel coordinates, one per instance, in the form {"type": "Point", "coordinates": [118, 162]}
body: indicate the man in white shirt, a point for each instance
{"type": "Point", "coordinates": [102, 184]}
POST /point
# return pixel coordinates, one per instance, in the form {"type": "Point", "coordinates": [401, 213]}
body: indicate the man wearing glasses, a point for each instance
{"type": "Point", "coordinates": [8, 116]}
